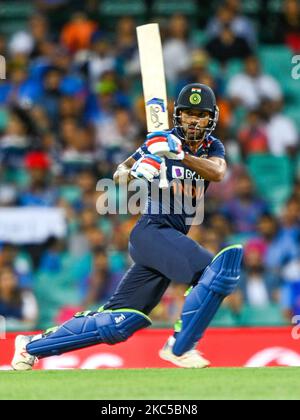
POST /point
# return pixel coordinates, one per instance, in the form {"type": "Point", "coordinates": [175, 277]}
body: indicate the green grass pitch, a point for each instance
{"type": "Point", "coordinates": [155, 384]}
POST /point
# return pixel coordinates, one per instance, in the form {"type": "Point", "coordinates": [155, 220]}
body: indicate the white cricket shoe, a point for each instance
{"type": "Point", "coordinates": [22, 360]}
{"type": "Point", "coordinates": [190, 359]}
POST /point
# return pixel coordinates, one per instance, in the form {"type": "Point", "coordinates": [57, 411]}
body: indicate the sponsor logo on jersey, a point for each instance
{"type": "Point", "coordinates": [177, 172]}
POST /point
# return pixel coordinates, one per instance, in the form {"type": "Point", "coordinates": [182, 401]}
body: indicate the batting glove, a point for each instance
{"type": "Point", "coordinates": [147, 167]}
{"type": "Point", "coordinates": [164, 144]}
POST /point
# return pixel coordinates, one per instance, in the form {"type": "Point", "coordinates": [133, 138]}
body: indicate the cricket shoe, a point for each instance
{"type": "Point", "coordinates": [22, 359]}
{"type": "Point", "coordinates": [190, 359]}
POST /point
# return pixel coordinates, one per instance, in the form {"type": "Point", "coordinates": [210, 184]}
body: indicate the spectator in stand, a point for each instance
{"type": "Point", "coordinates": [252, 136]}
{"type": "Point", "coordinates": [258, 286]}
{"type": "Point", "coordinates": [18, 130]}
{"type": "Point", "coordinates": [51, 92]}
{"type": "Point", "coordinates": [229, 14]}
{"type": "Point", "coordinates": [21, 263]}
{"type": "Point", "coordinates": [278, 247]}
{"type": "Point", "coordinates": [102, 282]}
{"type": "Point", "coordinates": [245, 209]}
{"type": "Point", "coordinates": [86, 180]}
{"type": "Point", "coordinates": [176, 48]}
{"type": "Point", "coordinates": [211, 240]}
{"type": "Point", "coordinates": [198, 67]}
{"type": "Point", "coordinates": [16, 305]}
{"type": "Point", "coordinates": [70, 107]}
{"type": "Point", "coordinates": [290, 292]}
{"type": "Point", "coordinates": [20, 45]}
{"type": "Point", "coordinates": [288, 28]}
{"type": "Point", "coordinates": [79, 153]}
{"type": "Point", "coordinates": [227, 46]}
{"type": "Point", "coordinates": [251, 86]}
{"type": "Point", "coordinates": [116, 139]}
{"type": "Point", "coordinates": [224, 105]}
{"type": "Point", "coordinates": [31, 41]}
{"type": "Point", "coordinates": [291, 219]}
{"type": "Point", "coordinates": [3, 45]}
{"type": "Point", "coordinates": [87, 221]}
{"type": "Point", "coordinates": [76, 34]}
{"type": "Point", "coordinates": [126, 42]}
{"type": "Point", "coordinates": [40, 191]}
{"type": "Point", "coordinates": [55, 11]}
{"type": "Point", "coordinates": [39, 30]}
{"type": "Point", "coordinates": [109, 94]}
{"type": "Point", "coordinates": [52, 257]}
{"type": "Point", "coordinates": [98, 59]}
{"type": "Point", "coordinates": [18, 89]}
{"type": "Point", "coordinates": [281, 131]}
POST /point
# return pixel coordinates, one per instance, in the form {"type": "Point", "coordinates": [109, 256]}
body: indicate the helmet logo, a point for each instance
{"type": "Point", "coordinates": [195, 99]}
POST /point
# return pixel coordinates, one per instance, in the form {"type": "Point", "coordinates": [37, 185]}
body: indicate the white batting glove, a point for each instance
{"type": "Point", "coordinates": [165, 144]}
{"type": "Point", "coordinates": [147, 167]}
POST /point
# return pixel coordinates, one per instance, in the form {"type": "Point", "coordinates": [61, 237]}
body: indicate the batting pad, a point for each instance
{"type": "Point", "coordinates": [218, 281]}
{"type": "Point", "coordinates": [88, 329]}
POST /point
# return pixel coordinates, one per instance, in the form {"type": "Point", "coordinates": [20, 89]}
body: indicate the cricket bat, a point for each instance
{"type": "Point", "coordinates": [154, 84]}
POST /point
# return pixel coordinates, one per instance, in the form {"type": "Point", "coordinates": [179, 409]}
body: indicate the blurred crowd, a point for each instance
{"type": "Point", "coordinates": [71, 109]}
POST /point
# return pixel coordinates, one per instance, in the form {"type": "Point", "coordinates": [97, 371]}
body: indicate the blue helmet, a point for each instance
{"type": "Point", "coordinates": [200, 97]}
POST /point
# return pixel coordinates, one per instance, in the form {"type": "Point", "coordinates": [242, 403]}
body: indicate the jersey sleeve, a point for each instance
{"type": "Point", "coordinates": [141, 151]}
{"type": "Point", "coordinates": [217, 149]}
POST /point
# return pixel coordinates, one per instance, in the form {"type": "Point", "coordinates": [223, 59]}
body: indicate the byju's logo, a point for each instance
{"type": "Point", "coordinates": [177, 172]}
{"type": "Point", "coordinates": [296, 68]}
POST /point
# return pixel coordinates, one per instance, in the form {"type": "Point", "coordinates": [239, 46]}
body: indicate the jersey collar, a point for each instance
{"type": "Point", "coordinates": [203, 148]}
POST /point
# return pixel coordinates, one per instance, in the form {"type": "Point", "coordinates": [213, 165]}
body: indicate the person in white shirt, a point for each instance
{"type": "Point", "coordinates": [251, 86]}
{"type": "Point", "coordinates": [281, 131]}
{"type": "Point", "coordinates": [176, 48]}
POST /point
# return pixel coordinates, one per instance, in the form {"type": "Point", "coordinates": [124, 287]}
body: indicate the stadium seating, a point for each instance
{"type": "Point", "coordinates": [14, 15]}
{"type": "Point", "coordinates": [276, 60]}
{"type": "Point", "coordinates": [224, 318]}
{"type": "Point", "coordinates": [251, 7]}
{"type": "Point", "coordinates": [273, 177]}
{"type": "Point", "coordinates": [170, 7]}
{"type": "Point", "coordinates": [261, 316]}
{"type": "Point", "coordinates": [122, 8]}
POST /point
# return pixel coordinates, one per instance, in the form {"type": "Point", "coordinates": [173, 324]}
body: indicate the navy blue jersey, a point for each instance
{"type": "Point", "coordinates": [178, 173]}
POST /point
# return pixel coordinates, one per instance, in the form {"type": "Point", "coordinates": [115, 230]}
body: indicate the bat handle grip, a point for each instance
{"type": "Point", "coordinates": [163, 183]}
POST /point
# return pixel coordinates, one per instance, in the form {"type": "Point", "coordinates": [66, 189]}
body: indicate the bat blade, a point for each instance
{"type": "Point", "coordinates": [153, 77]}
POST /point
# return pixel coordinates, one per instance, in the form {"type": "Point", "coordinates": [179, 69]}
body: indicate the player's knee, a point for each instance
{"type": "Point", "coordinates": [115, 326]}
{"type": "Point", "coordinates": [222, 275]}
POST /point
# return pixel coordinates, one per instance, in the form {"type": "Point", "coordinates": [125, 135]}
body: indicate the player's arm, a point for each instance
{"type": "Point", "coordinates": [123, 171]}
{"type": "Point", "coordinates": [211, 169]}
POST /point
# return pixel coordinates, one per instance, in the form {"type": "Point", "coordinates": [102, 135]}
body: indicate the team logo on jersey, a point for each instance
{"type": "Point", "coordinates": [177, 172]}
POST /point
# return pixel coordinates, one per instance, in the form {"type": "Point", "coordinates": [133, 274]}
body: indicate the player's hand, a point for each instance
{"type": "Point", "coordinates": [164, 144]}
{"type": "Point", "coordinates": [147, 167]}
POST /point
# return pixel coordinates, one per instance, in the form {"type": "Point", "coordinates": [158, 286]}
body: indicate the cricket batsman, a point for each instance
{"type": "Point", "coordinates": [160, 250]}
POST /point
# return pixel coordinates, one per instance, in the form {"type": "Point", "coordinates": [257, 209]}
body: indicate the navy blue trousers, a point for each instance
{"type": "Point", "coordinates": [161, 254]}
